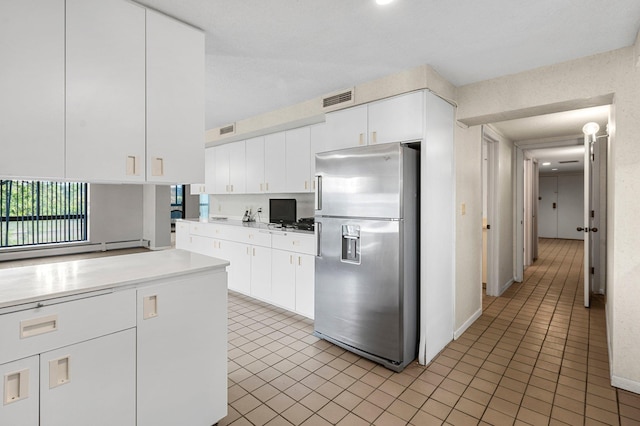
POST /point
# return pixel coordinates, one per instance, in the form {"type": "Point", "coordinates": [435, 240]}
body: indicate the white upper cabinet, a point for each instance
{"type": "Point", "coordinates": [229, 168]}
{"type": "Point", "coordinates": [397, 119]}
{"type": "Point", "coordinates": [346, 128]}
{"type": "Point", "coordinates": [274, 162]}
{"type": "Point", "coordinates": [105, 81]}
{"type": "Point", "coordinates": [210, 171]}
{"type": "Point", "coordinates": [175, 100]}
{"type": "Point", "coordinates": [297, 160]}
{"type": "Point", "coordinates": [318, 136]}
{"type": "Point", "coordinates": [32, 88]}
{"type": "Point", "coordinates": [255, 165]}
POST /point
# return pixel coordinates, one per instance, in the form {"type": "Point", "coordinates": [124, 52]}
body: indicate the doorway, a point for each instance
{"type": "Point", "coordinates": [489, 206]}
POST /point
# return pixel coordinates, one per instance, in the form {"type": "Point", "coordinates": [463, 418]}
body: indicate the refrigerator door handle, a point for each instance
{"type": "Point", "coordinates": [318, 247]}
{"type": "Point", "coordinates": [318, 192]}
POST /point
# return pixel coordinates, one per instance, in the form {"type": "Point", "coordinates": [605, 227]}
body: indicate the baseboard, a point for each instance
{"type": "Point", "coordinates": [467, 324]}
{"type": "Point", "coordinates": [74, 248]}
{"type": "Point", "coordinates": [505, 286]}
{"type": "Point", "coordinates": [626, 384]}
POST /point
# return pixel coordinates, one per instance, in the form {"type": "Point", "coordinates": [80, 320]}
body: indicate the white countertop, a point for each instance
{"type": "Point", "coordinates": [29, 284]}
{"type": "Point", "coordinates": [255, 225]}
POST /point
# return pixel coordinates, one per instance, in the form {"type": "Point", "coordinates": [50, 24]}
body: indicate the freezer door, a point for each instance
{"type": "Point", "coordinates": [359, 285]}
{"type": "Point", "coordinates": [360, 182]}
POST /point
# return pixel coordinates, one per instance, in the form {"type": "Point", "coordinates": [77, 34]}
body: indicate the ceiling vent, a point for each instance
{"type": "Point", "coordinates": [567, 161]}
{"type": "Point", "coordinates": [344, 97]}
{"type": "Point", "coordinates": [228, 130]}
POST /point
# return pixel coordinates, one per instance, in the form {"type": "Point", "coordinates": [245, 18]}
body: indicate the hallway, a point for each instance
{"type": "Point", "coordinates": [536, 356]}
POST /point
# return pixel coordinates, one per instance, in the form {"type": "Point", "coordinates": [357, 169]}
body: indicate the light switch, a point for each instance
{"type": "Point", "coordinates": [16, 386]}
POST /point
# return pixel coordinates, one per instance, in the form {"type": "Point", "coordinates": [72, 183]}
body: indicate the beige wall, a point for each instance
{"type": "Point", "coordinates": [570, 85]}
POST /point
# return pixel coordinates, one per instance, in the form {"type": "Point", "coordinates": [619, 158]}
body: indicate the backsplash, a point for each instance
{"type": "Point", "coordinates": [234, 206]}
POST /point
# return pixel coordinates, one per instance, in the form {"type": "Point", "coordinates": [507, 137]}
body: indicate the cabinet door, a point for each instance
{"type": "Point", "coordinates": [239, 255]}
{"type": "Point", "coordinates": [254, 156]}
{"type": "Point", "coordinates": [283, 278]}
{"type": "Point", "coordinates": [210, 170]}
{"type": "Point", "coordinates": [90, 383]}
{"type": "Point", "coordinates": [237, 176]}
{"type": "Point", "coordinates": [182, 351]}
{"type": "Point", "coordinates": [297, 160]}
{"type": "Point", "coordinates": [182, 235]}
{"type": "Point", "coordinates": [346, 128]}
{"type": "Point", "coordinates": [305, 284]}
{"type": "Point", "coordinates": [261, 272]}
{"type": "Point", "coordinates": [105, 100]}
{"type": "Point", "coordinates": [175, 100]}
{"type": "Point", "coordinates": [397, 119]}
{"type": "Point", "coordinates": [274, 163]}
{"type": "Point", "coordinates": [221, 169]}
{"type": "Point", "coordinates": [318, 136]}
{"type": "Point", "coordinates": [19, 391]}
{"type": "Point", "coordinates": [32, 88]}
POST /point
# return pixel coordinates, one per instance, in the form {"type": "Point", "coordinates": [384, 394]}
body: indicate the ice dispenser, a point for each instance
{"type": "Point", "coordinates": [351, 244]}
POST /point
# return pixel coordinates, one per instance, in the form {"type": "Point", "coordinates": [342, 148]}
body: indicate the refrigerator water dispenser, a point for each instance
{"type": "Point", "coordinates": [351, 244]}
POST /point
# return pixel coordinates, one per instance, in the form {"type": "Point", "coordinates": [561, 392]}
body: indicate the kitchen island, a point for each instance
{"type": "Point", "coordinates": [137, 339]}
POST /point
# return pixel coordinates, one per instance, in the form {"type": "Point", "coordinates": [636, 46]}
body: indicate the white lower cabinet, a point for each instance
{"type": "Point", "coordinates": [239, 255]}
{"type": "Point", "coordinates": [19, 391]}
{"type": "Point", "coordinates": [261, 272]}
{"type": "Point", "coordinates": [292, 280]}
{"type": "Point", "coordinates": [182, 367]}
{"type": "Point", "coordinates": [305, 284]}
{"type": "Point", "coordinates": [90, 383]}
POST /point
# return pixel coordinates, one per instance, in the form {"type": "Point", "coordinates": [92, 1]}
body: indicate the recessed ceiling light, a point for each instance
{"type": "Point", "coordinates": [546, 164]}
{"type": "Point", "coordinates": [383, 2]}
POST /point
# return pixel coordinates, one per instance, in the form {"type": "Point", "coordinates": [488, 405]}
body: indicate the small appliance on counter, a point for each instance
{"type": "Point", "coordinates": [282, 211]}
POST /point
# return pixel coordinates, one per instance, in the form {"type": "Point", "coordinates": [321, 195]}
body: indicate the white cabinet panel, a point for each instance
{"type": "Point", "coordinates": [19, 392]}
{"type": "Point", "coordinates": [32, 88]}
{"type": "Point", "coordinates": [105, 81]}
{"type": "Point", "coordinates": [255, 165]}
{"type": "Point", "coordinates": [283, 278]}
{"type": "Point", "coordinates": [190, 326]}
{"type": "Point", "coordinates": [318, 137]}
{"type": "Point", "coordinates": [210, 171]}
{"type": "Point", "coordinates": [274, 162]}
{"type": "Point", "coordinates": [305, 284]}
{"type": "Point", "coordinates": [221, 169]}
{"type": "Point", "coordinates": [237, 166]}
{"type": "Point", "coordinates": [239, 255]}
{"type": "Point", "coordinates": [175, 100]}
{"type": "Point", "coordinates": [90, 383]}
{"type": "Point", "coordinates": [397, 119]}
{"type": "Point", "coordinates": [297, 160]}
{"type": "Point", "coordinates": [182, 235]}
{"type": "Point", "coordinates": [346, 128]}
{"type": "Point", "coordinates": [261, 272]}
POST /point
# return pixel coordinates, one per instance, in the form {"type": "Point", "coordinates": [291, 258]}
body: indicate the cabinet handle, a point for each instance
{"type": "Point", "coordinates": [59, 372]}
{"type": "Point", "coordinates": [314, 185]}
{"type": "Point", "coordinates": [248, 251]}
{"type": "Point", "coordinates": [231, 187]}
{"type": "Point", "coordinates": [131, 166]}
{"type": "Point", "coordinates": [306, 185]}
{"type": "Point", "coordinates": [373, 137]}
{"type": "Point", "coordinates": [361, 139]}
{"type": "Point", "coordinates": [254, 251]}
{"type": "Point", "coordinates": [150, 307]}
{"type": "Point", "coordinates": [267, 186]}
{"type": "Point", "coordinates": [291, 259]}
{"type": "Point", "coordinates": [260, 187]}
{"type": "Point", "coordinates": [157, 167]}
{"type": "Point", "coordinates": [299, 261]}
{"type": "Point", "coordinates": [16, 386]}
{"type": "Point", "coordinates": [37, 326]}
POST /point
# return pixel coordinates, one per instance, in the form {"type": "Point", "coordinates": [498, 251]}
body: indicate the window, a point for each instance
{"type": "Point", "coordinates": [34, 212]}
{"type": "Point", "coordinates": [177, 202]}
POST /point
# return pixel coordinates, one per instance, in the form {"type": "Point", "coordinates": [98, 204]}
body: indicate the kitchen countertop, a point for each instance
{"type": "Point", "coordinates": [254, 225]}
{"type": "Point", "coordinates": [29, 284]}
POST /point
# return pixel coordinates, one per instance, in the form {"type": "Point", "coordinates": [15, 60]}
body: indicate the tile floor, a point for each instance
{"type": "Point", "coordinates": [536, 356]}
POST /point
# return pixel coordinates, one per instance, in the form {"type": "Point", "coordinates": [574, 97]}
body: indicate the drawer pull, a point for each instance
{"type": "Point", "coordinates": [37, 326]}
{"type": "Point", "coordinates": [59, 372]}
{"type": "Point", "coordinates": [16, 386]}
{"type": "Point", "coordinates": [149, 307]}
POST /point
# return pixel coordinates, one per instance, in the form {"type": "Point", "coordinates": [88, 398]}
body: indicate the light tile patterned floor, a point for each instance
{"type": "Point", "coordinates": [536, 356]}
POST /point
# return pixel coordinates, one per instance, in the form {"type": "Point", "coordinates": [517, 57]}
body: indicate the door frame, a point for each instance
{"type": "Point", "coordinates": [493, 231]}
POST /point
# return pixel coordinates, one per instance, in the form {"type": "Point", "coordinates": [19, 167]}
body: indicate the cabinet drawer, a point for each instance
{"type": "Point", "coordinates": [38, 330]}
{"type": "Point", "coordinates": [254, 237]}
{"type": "Point", "coordinates": [296, 242]}
{"type": "Point", "coordinates": [210, 230]}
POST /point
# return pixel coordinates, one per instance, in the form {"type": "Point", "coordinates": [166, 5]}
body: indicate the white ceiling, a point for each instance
{"type": "Point", "coordinates": [263, 55]}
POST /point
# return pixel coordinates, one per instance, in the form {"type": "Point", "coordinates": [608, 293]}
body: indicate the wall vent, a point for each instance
{"type": "Point", "coordinates": [344, 97]}
{"type": "Point", "coordinates": [228, 130]}
{"type": "Point", "coordinates": [567, 161]}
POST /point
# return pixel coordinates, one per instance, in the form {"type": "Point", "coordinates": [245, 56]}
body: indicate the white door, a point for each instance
{"type": "Point", "coordinates": [283, 278]}
{"type": "Point", "coordinates": [239, 255]}
{"type": "Point", "coordinates": [237, 177]}
{"type": "Point", "coordinates": [274, 162]}
{"type": "Point", "coordinates": [297, 160]}
{"type": "Point", "coordinates": [396, 119]}
{"type": "Point", "coordinates": [570, 206]}
{"type": "Point", "coordinates": [305, 284]}
{"type": "Point", "coordinates": [548, 207]}
{"type": "Point", "coordinates": [221, 169]}
{"type": "Point", "coordinates": [261, 272]}
{"type": "Point", "coordinates": [254, 156]}
{"type": "Point", "coordinates": [346, 128]}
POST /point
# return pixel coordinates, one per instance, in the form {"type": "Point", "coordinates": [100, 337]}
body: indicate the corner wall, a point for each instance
{"type": "Point", "coordinates": [586, 82]}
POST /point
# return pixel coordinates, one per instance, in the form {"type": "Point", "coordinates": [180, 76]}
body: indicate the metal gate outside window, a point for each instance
{"type": "Point", "coordinates": [34, 212]}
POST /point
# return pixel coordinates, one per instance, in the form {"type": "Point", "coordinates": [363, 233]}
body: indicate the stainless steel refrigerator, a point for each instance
{"type": "Point", "coordinates": [366, 287]}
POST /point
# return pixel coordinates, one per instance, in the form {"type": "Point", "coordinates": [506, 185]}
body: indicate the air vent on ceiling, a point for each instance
{"type": "Point", "coordinates": [567, 161]}
{"type": "Point", "coordinates": [341, 98]}
{"type": "Point", "coordinates": [228, 130]}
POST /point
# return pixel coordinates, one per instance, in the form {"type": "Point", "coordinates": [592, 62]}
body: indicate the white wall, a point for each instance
{"type": "Point", "coordinates": [574, 84]}
{"type": "Point", "coordinates": [115, 213]}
